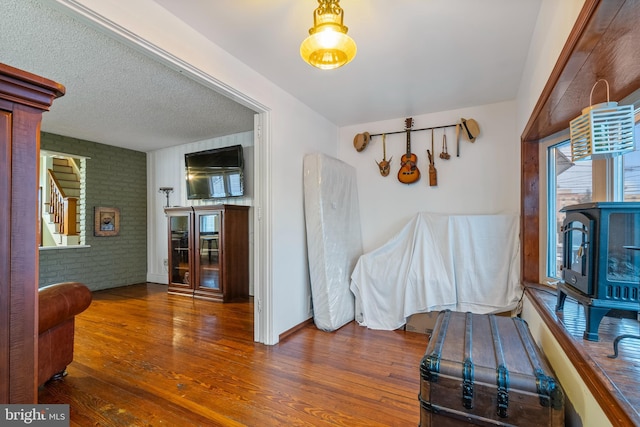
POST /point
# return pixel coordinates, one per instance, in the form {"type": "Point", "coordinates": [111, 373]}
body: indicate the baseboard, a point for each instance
{"type": "Point", "coordinates": [158, 278]}
{"type": "Point", "coordinates": [295, 329]}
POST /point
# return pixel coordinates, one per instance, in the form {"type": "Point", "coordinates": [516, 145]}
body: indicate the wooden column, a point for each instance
{"type": "Point", "coordinates": [23, 98]}
{"type": "Point", "coordinates": [530, 212]}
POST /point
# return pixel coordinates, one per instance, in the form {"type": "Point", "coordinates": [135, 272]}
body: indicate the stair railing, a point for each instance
{"type": "Point", "coordinates": [64, 209]}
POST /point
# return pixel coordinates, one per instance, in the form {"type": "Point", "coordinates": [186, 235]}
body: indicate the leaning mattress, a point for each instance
{"type": "Point", "coordinates": [334, 241]}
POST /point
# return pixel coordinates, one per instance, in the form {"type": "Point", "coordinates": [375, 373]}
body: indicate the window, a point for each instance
{"type": "Point", "coordinates": [631, 170]}
{"type": "Point", "coordinates": [570, 183]}
{"type": "Point", "coordinates": [61, 199]}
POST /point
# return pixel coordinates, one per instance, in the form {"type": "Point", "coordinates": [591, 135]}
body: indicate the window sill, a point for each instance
{"type": "Point", "coordinates": [612, 382]}
{"type": "Point", "coordinates": [54, 248]}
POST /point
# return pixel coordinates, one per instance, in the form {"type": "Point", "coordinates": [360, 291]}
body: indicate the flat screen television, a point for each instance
{"type": "Point", "coordinates": [215, 174]}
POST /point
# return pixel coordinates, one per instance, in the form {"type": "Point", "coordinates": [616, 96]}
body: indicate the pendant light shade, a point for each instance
{"type": "Point", "coordinates": [602, 131]}
{"type": "Point", "coordinates": [328, 45]}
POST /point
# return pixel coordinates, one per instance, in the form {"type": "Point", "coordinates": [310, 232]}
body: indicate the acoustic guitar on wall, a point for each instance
{"type": "Point", "coordinates": [408, 173]}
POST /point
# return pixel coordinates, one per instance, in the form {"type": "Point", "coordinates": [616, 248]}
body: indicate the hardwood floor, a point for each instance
{"type": "Point", "coordinates": [143, 357]}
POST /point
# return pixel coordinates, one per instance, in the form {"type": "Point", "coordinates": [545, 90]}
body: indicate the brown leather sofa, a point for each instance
{"type": "Point", "coordinates": [57, 307]}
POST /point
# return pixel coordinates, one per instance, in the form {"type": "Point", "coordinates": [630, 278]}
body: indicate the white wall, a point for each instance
{"type": "Point", "coordinates": [291, 290]}
{"type": "Point", "coordinates": [483, 180]}
{"type": "Point", "coordinates": [165, 168]}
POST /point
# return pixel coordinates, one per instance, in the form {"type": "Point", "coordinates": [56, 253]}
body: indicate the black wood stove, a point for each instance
{"type": "Point", "coordinates": [601, 263]}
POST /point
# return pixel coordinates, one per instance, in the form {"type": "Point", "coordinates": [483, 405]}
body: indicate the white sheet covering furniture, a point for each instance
{"type": "Point", "coordinates": [334, 240]}
{"type": "Point", "coordinates": [437, 262]}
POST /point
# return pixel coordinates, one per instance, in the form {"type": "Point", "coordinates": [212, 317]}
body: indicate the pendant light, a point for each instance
{"type": "Point", "coordinates": [328, 45]}
{"type": "Point", "coordinates": [602, 131]}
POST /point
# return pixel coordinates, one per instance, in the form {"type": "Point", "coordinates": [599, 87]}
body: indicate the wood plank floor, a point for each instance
{"type": "Point", "coordinates": [146, 358]}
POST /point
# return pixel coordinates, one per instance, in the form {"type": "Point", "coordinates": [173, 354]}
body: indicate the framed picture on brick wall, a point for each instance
{"type": "Point", "coordinates": [106, 222]}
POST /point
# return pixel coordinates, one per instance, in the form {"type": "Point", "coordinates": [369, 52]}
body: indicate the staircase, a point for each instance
{"type": "Point", "coordinates": [61, 216]}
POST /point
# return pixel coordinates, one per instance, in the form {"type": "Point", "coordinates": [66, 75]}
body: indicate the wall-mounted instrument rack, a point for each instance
{"type": "Point", "coordinates": [414, 130]}
{"type": "Point", "coordinates": [468, 127]}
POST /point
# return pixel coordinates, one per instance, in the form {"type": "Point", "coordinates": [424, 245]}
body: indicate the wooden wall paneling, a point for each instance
{"type": "Point", "coordinates": [5, 192]}
{"type": "Point", "coordinates": [23, 98]}
{"type": "Point", "coordinates": [530, 213]}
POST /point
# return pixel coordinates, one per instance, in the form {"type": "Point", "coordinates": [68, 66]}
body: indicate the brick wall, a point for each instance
{"type": "Point", "coordinates": [115, 177]}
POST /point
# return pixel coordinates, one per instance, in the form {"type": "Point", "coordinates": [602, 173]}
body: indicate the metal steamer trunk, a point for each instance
{"type": "Point", "coordinates": [486, 370]}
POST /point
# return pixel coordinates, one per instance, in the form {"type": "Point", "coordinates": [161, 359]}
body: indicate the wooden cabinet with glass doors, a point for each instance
{"type": "Point", "coordinates": [209, 251]}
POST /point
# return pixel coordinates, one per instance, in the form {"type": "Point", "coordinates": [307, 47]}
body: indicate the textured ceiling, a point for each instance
{"type": "Point", "coordinates": [414, 57]}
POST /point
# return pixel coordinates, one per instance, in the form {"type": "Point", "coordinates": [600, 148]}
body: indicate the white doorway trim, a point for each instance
{"type": "Point", "coordinates": [263, 303]}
